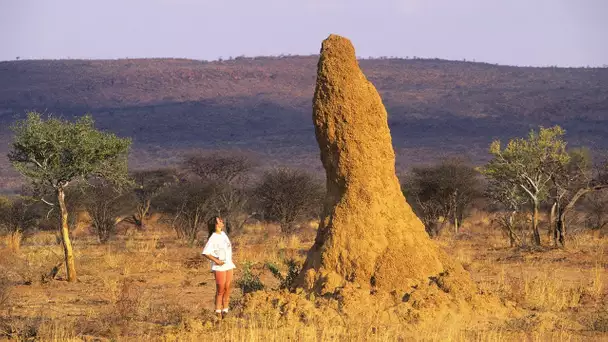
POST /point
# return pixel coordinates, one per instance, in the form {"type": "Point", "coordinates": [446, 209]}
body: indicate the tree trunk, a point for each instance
{"type": "Point", "coordinates": [455, 212]}
{"type": "Point", "coordinates": [510, 228]}
{"type": "Point", "coordinates": [535, 223]}
{"type": "Point", "coordinates": [552, 232]}
{"type": "Point", "coordinates": [556, 226]}
{"type": "Point", "coordinates": [509, 225]}
{"type": "Point", "coordinates": [142, 212]}
{"type": "Point", "coordinates": [561, 218]}
{"type": "Point", "coordinates": [65, 237]}
{"type": "Point", "coordinates": [560, 229]}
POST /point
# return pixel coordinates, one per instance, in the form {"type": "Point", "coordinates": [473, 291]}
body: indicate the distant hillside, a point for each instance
{"type": "Point", "coordinates": [436, 108]}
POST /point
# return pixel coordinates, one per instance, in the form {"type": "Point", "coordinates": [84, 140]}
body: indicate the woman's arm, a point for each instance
{"type": "Point", "coordinates": [214, 259]}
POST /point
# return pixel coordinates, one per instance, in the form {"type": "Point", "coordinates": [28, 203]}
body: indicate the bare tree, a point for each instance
{"type": "Point", "coordinates": [444, 190]}
{"type": "Point", "coordinates": [18, 214]}
{"type": "Point", "coordinates": [287, 196]}
{"type": "Point", "coordinates": [571, 182]}
{"type": "Point", "coordinates": [148, 185]}
{"type": "Point", "coordinates": [229, 172]}
{"type": "Point", "coordinates": [230, 201]}
{"type": "Point", "coordinates": [190, 204]}
{"type": "Point", "coordinates": [107, 205]}
{"type": "Point", "coordinates": [510, 199]}
{"type": "Point", "coordinates": [218, 166]}
{"type": "Point", "coordinates": [595, 206]}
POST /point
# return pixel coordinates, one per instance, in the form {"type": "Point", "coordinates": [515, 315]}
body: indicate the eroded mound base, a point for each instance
{"type": "Point", "coordinates": [430, 309]}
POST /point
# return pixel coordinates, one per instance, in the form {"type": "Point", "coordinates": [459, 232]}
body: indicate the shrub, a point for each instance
{"type": "Point", "coordinates": [13, 241]}
{"type": "Point", "coordinates": [189, 205]}
{"type": "Point", "coordinates": [293, 270]}
{"type": "Point", "coordinates": [249, 282]}
{"type": "Point", "coordinates": [595, 205]}
{"type": "Point", "coordinates": [107, 205]}
{"type": "Point", "coordinates": [17, 214]}
{"type": "Point", "coordinates": [287, 196]}
{"type": "Point", "coordinates": [442, 193]}
{"type": "Point", "coordinates": [229, 173]}
{"type": "Point", "coordinates": [148, 185]}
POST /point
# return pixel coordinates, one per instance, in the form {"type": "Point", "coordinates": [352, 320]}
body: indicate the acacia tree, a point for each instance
{"type": "Point", "coordinates": [529, 164]}
{"type": "Point", "coordinates": [56, 153]}
{"type": "Point", "coordinates": [511, 198]}
{"type": "Point", "coordinates": [571, 182]}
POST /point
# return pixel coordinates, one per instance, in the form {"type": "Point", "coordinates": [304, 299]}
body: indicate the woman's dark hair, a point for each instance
{"type": "Point", "coordinates": [213, 222]}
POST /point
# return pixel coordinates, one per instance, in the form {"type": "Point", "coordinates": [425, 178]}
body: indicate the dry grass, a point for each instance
{"type": "Point", "coordinates": [13, 241]}
{"type": "Point", "coordinates": [5, 292]}
{"type": "Point", "coordinates": [546, 292]}
{"type": "Point", "coordinates": [148, 286]}
{"type": "Point", "coordinates": [597, 281]}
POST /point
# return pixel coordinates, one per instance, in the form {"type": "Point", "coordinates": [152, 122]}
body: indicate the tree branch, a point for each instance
{"type": "Point", "coordinates": [47, 202]}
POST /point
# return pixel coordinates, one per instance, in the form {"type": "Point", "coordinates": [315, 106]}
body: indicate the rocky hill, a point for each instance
{"type": "Point", "coordinates": [436, 108]}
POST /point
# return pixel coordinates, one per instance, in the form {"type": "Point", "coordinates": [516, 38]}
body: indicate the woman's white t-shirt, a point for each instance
{"type": "Point", "coordinates": [219, 246]}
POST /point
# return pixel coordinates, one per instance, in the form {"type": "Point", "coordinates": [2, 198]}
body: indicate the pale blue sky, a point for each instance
{"type": "Point", "coordinates": [516, 32]}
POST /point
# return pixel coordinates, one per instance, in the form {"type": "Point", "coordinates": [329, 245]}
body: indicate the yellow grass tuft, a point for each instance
{"type": "Point", "coordinates": [57, 331]}
{"type": "Point", "coordinates": [13, 241]}
{"type": "Point", "coordinates": [547, 292]}
{"type": "Point", "coordinates": [597, 281]}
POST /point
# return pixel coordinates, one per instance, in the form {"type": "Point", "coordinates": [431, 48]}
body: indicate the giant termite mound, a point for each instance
{"type": "Point", "coordinates": [371, 256]}
{"type": "Point", "coordinates": [368, 234]}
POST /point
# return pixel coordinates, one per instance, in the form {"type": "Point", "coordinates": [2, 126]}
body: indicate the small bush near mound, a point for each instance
{"type": "Point", "coordinates": [286, 281]}
{"type": "Point", "coordinates": [249, 282]}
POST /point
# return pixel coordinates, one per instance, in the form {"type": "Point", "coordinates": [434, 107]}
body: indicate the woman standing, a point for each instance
{"type": "Point", "coordinates": [219, 250]}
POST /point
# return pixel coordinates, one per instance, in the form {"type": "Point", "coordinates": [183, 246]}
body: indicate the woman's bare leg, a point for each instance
{"type": "Point", "coordinates": [220, 289]}
{"type": "Point", "coordinates": [227, 289]}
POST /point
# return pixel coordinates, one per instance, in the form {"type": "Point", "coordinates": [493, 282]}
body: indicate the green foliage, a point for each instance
{"type": "Point", "coordinates": [571, 176]}
{"type": "Point", "coordinates": [54, 152]}
{"type": "Point", "coordinates": [293, 270]}
{"type": "Point", "coordinates": [529, 163]}
{"type": "Point", "coordinates": [249, 282]}
{"type": "Point", "coordinates": [525, 169]}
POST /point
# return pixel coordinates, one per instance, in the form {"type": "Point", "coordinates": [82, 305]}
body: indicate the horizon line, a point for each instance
{"type": "Point", "coordinates": [359, 58]}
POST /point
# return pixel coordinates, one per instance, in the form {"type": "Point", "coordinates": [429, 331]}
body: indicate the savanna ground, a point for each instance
{"type": "Point", "coordinates": [150, 286]}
